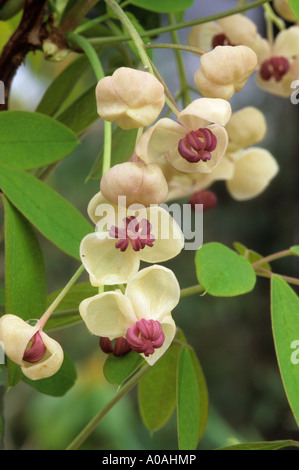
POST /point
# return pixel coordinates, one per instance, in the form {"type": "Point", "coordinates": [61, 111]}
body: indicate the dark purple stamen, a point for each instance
{"type": "Point", "coordinates": [275, 67]}
{"type": "Point", "coordinates": [118, 347]}
{"type": "Point", "coordinates": [138, 234]}
{"type": "Point", "coordinates": [221, 40]}
{"type": "Point", "coordinates": [145, 336]}
{"type": "Point", "coordinates": [198, 145]}
{"type": "Point", "coordinates": [36, 351]}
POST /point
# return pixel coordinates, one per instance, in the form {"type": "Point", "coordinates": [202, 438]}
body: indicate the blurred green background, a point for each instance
{"type": "Point", "coordinates": [232, 337]}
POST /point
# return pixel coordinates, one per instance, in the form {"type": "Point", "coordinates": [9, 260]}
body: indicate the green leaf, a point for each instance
{"type": "Point", "coordinates": [123, 143]}
{"type": "Point", "coordinates": [222, 272]}
{"type": "Point", "coordinates": [295, 250]}
{"type": "Point", "coordinates": [50, 213]}
{"type": "Point", "coordinates": [82, 113]}
{"type": "Point", "coordinates": [163, 6]}
{"type": "Point", "coordinates": [2, 297]}
{"type": "Point", "coordinates": [118, 368]}
{"type": "Point", "coordinates": [295, 7]}
{"type": "Point", "coordinates": [60, 383]}
{"type": "Point", "coordinates": [192, 401]}
{"type": "Point", "coordinates": [31, 140]}
{"type": "Point", "coordinates": [285, 324]}
{"type": "Point", "coordinates": [157, 390]}
{"type": "Point", "coordinates": [25, 272]}
{"type": "Point", "coordinates": [274, 445]}
{"type": "Point", "coordinates": [251, 255]}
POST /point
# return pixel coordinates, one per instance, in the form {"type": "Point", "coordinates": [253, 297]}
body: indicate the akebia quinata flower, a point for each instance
{"type": "Point", "coordinates": [124, 238]}
{"type": "Point", "coordinates": [28, 346]}
{"type": "Point", "coordinates": [142, 314]}
{"type": "Point", "coordinates": [132, 98]}
{"type": "Point", "coordinates": [196, 143]}
{"type": "Point", "coordinates": [224, 71]}
{"type": "Point", "coordinates": [279, 66]}
{"type": "Point", "coordinates": [284, 10]}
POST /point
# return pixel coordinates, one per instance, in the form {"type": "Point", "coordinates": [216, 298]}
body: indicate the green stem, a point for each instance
{"type": "Point", "coordinates": [91, 23]}
{"type": "Point", "coordinates": [43, 320]}
{"type": "Point", "coordinates": [89, 428]}
{"type": "Point", "coordinates": [198, 289]}
{"type": "Point", "coordinates": [275, 256]}
{"type": "Point", "coordinates": [117, 10]}
{"type": "Point", "coordinates": [180, 63]}
{"type": "Point", "coordinates": [182, 47]}
{"type": "Point", "coordinates": [184, 24]}
{"type": "Point", "coordinates": [269, 274]}
{"type": "Point", "coordinates": [273, 18]}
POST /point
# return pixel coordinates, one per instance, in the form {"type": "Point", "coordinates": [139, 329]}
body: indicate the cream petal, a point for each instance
{"type": "Point", "coordinates": [169, 239]}
{"type": "Point", "coordinates": [287, 42]}
{"type": "Point", "coordinates": [153, 292]}
{"type": "Point", "coordinates": [159, 139]}
{"type": "Point", "coordinates": [105, 263]}
{"type": "Point", "coordinates": [49, 364]}
{"type": "Point", "coordinates": [282, 88]}
{"type": "Point", "coordinates": [180, 164]}
{"type": "Point", "coordinates": [201, 35]}
{"type": "Point", "coordinates": [204, 111]}
{"type": "Point", "coordinates": [15, 335]}
{"type": "Point", "coordinates": [109, 314]}
{"type": "Point", "coordinates": [110, 104]}
{"type": "Point", "coordinates": [253, 173]}
{"type": "Point", "coordinates": [239, 29]}
{"type": "Point", "coordinates": [169, 330]}
{"type": "Point", "coordinates": [245, 128]}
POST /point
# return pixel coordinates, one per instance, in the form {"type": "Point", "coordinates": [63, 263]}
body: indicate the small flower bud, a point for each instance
{"type": "Point", "coordinates": [38, 355]}
{"type": "Point", "coordinates": [117, 347]}
{"type": "Point", "coordinates": [245, 128]}
{"type": "Point", "coordinates": [132, 98]}
{"type": "Point", "coordinates": [208, 199]}
{"type": "Point", "coordinates": [224, 71]}
{"type": "Point", "coordinates": [140, 183]}
{"type": "Point", "coordinates": [284, 10]}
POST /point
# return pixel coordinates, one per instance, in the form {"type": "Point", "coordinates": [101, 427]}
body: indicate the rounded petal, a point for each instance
{"type": "Point", "coordinates": [181, 164]}
{"type": "Point", "coordinates": [245, 128]}
{"type": "Point", "coordinates": [159, 139]}
{"type": "Point", "coordinates": [282, 88]}
{"type": "Point", "coordinates": [153, 292]}
{"type": "Point", "coordinates": [169, 330]}
{"type": "Point", "coordinates": [239, 29]}
{"type": "Point", "coordinates": [169, 238]}
{"type": "Point", "coordinates": [254, 170]}
{"type": "Point", "coordinates": [92, 208]}
{"type": "Point", "coordinates": [105, 263]}
{"type": "Point", "coordinates": [15, 335]}
{"type": "Point", "coordinates": [49, 365]}
{"type": "Point", "coordinates": [287, 42]}
{"type": "Point", "coordinates": [210, 89]}
{"type": "Point", "coordinates": [205, 111]}
{"type": "Point", "coordinates": [109, 314]}
{"type": "Point", "coordinates": [284, 10]}
{"type": "Point", "coordinates": [201, 35]}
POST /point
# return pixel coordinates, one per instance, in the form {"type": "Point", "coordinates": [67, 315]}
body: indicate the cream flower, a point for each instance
{"type": "Point", "coordinates": [138, 182]}
{"type": "Point", "coordinates": [233, 30]}
{"type": "Point", "coordinates": [142, 315]}
{"type": "Point", "coordinates": [284, 10]}
{"type": "Point", "coordinates": [245, 128]}
{"type": "Point", "coordinates": [279, 66]}
{"type": "Point", "coordinates": [28, 346]}
{"type": "Point", "coordinates": [196, 143]}
{"type": "Point", "coordinates": [126, 236]}
{"type": "Point", "coordinates": [254, 169]}
{"type": "Point", "coordinates": [224, 71]}
{"type": "Point", "coordinates": [132, 98]}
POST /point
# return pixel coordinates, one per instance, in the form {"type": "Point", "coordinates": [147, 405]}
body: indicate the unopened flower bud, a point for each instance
{"type": "Point", "coordinates": [117, 347]}
{"type": "Point", "coordinates": [245, 128]}
{"type": "Point", "coordinates": [284, 10]}
{"type": "Point", "coordinates": [132, 98]}
{"type": "Point", "coordinates": [138, 182]}
{"type": "Point", "coordinates": [208, 199]}
{"type": "Point", "coordinates": [38, 355]}
{"type": "Point", "coordinates": [224, 71]}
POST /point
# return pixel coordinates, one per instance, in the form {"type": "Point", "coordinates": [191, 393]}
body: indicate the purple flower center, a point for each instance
{"type": "Point", "coordinates": [197, 145]}
{"type": "Point", "coordinates": [275, 67]}
{"type": "Point", "coordinates": [138, 234]}
{"type": "Point", "coordinates": [145, 336]}
{"type": "Point", "coordinates": [221, 40]}
{"type": "Point", "coordinates": [36, 351]}
{"type": "Point", "coordinates": [119, 347]}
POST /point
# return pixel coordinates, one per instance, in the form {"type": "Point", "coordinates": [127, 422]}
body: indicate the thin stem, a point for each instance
{"type": "Point", "coordinates": [198, 289]}
{"type": "Point", "coordinates": [117, 10]}
{"type": "Point", "coordinates": [180, 63]}
{"type": "Point", "coordinates": [91, 23]}
{"type": "Point", "coordinates": [89, 428]}
{"type": "Point", "coordinates": [182, 47]}
{"type": "Point", "coordinates": [275, 256]}
{"type": "Point", "coordinates": [43, 320]}
{"type": "Point", "coordinates": [84, 44]}
{"type": "Point", "coordinates": [273, 17]}
{"type": "Point", "coordinates": [269, 274]}
{"type": "Point", "coordinates": [184, 24]}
